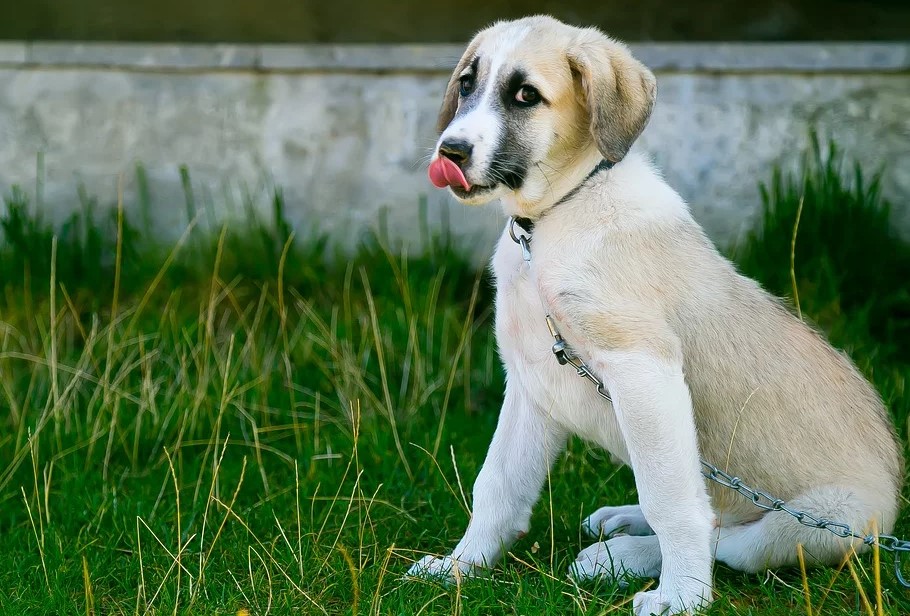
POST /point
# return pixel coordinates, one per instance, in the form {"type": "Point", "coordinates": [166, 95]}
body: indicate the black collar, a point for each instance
{"type": "Point", "coordinates": [528, 225]}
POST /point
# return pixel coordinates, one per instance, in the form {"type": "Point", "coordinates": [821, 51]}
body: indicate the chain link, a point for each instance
{"type": "Point", "coordinates": [759, 498]}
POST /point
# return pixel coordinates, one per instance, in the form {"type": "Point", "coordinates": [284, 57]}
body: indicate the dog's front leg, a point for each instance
{"type": "Point", "coordinates": [524, 446]}
{"type": "Point", "coordinates": [654, 409]}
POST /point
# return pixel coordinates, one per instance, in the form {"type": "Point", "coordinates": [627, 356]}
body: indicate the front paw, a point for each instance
{"type": "Point", "coordinates": [446, 569]}
{"type": "Point", "coordinates": [618, 558]}
{"type": "Point", "coordinates": [658, 602]}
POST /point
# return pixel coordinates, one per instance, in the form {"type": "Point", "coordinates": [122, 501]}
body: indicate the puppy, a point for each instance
{"type": "Point", "coordinates": [699, 360]}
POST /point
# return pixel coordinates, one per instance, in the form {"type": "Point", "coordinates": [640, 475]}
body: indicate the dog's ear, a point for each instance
{"type": "Point", "coordinates": [618, 90]}
{"type": "Point", "coordinates": [450, 100]}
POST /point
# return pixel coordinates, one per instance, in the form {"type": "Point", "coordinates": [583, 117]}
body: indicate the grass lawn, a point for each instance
{"type": "Point", "coordinates": [236, 423]}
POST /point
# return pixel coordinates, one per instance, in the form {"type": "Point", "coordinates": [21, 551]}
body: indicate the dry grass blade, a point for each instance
{"type": "Point", "coordinates": [462, 343]}
{"type": "Point", "coordinates": [799, 213]}
{"type": "Point", "coordinates": [374, 608]}
{"type": "Point", "coordinates": [859, 588]}
{"type": "Point", "coordinates": [461, 501]}
{"type": "Point", "coordinates": [464, 499]}
{"type": "Point", "coordinates": [355, 578]}
{"type": "Point", "coordinates": [877, 570]}
{"type": "Point", "coordinates": [140, 591]}
{"type": "Point", "coordinates": [180, 567]}
{"type": "Point", "coordinates": [377, 339]}
{"type": "Point", "coordinates": [802, 569]}
{"type": "Point", "coordinates": [89, 594]}
{"type": "Point", "coordinates": [39, 540]}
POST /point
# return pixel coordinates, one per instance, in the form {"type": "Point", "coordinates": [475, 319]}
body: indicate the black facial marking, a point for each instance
{"type": "Point", "coordinates": [512, 155]}
{"type": "Point", "coordinates": [510, 174]}
{"type": "Point", "coordinates": [512, 86]}
{"type": "Point", "coordinates": [516, 88]}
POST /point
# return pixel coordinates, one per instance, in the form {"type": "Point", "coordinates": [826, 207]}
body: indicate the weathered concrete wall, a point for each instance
{"type": "Point", "coordinates": [345, 130]}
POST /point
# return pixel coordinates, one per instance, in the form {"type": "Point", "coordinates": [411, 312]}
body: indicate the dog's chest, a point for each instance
{"type": "Point", "coordinates": [525, 344]}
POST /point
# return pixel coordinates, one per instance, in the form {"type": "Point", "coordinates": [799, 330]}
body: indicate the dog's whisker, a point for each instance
{"type": "Point", "coordinates": [544, 174]}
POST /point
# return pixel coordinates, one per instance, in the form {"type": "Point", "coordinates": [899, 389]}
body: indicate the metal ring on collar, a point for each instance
{"type": "Point", "coordinates": [516, 237]}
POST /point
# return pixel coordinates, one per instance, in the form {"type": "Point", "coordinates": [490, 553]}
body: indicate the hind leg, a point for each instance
{"type": "Point", "coordinates": [771, 541]}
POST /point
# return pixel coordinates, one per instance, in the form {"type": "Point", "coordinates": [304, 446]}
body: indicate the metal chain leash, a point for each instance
{"type": "Point", "coordinates": [759, 498]}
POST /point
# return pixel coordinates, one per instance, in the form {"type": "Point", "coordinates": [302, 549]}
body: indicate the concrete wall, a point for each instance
{"type": "Point", "coordinates": [345, 130]}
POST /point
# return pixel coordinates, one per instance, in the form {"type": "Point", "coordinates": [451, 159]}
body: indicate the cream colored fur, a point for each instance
{"type": "Point", "coordinates": [700, 361]}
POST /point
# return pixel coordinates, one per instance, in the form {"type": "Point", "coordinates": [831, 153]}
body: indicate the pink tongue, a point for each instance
{"type": "Point", "coordinates": [443, 172]}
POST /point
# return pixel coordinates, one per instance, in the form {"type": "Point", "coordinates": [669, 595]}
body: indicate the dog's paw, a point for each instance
{"type": "Point", "coordinates": [446, 569]}
{"type": "Point", "coordinates": [659, 603]}
{"type": "Point", "coordinates": [606, 521]}
{"type": "Point", "coordinates": [617, 558]}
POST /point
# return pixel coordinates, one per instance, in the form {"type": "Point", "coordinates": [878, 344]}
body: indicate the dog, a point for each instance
{"type": "Point", "coordinates": [699, 360]}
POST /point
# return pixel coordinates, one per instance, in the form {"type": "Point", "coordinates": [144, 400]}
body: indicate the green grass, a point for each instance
{"type": "Point", "coordinates": [240, 421]}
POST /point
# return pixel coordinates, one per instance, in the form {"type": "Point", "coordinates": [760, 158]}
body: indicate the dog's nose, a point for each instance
{"type": "Point", "coordinates": [457, 151]}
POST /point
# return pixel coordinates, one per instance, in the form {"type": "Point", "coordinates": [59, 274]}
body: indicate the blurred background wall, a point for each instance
{"type": "Point", "coordinates": [335, 103]}
{"type": "Point", "coordinates": [410, 21]}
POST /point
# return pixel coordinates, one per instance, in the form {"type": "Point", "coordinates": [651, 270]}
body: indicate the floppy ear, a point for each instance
{"type": "Point", "coordinates": [618, 90]}
{"type": "Point", "coordinates": [450, 100]}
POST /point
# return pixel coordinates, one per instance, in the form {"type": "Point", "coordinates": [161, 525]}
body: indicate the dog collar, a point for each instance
{"type": "Point", "coordinates": [528, 225]}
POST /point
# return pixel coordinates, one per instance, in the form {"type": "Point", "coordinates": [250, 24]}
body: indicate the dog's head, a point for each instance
{"type": "Point", "coordinates": [532, 98]}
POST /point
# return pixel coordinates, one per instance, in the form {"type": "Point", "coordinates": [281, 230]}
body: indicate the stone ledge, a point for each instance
{"type": "Point", "coordinates": [663, 57]}
{"type": "Point", "coordinates": [776, 57]}
{"type": "Point", "coordinates": [430, 58]}
{"type": "Point", "coordinates": [12, 53]}
{"type": "Point", "coordinates": [142, 56]}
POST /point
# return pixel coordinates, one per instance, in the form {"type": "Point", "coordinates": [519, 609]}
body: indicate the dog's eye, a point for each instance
{"type": "Point", "coordinates": [527, 96]}
{"type": "Point", "coordinates": [466, 85]}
